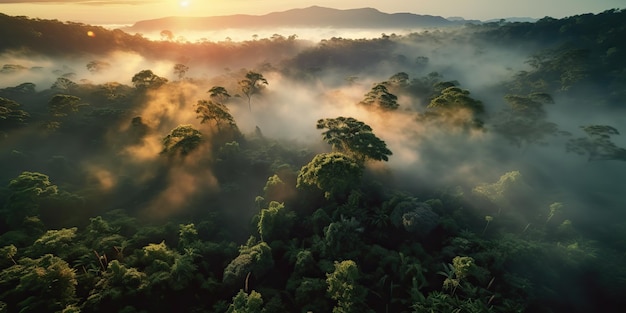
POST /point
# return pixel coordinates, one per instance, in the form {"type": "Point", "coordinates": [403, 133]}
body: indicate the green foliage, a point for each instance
{"type": "Point", "coordinates": [117, 285]}
{"type": "Point", "coordinates": [219, 94]}
{"type": "Point", "coordinates": [181, 140]}
{"type": "Point", "coordinates": [334, 173]}
{"type": "Point", "coordinates": [187, 236]}
{"type": "Point", "coordinates": [509, 186]}
{"type": "Point", "coordinates": [353, 138]}
{"type": "Point", "coordinates": [560, 68]}
{"type": "Point", "coordinates": [63, 84]}
{"type": "Point", "coordinates": [456, 108]}
{"type": "Point", "coordinates": [311, 295]}
{"type": "Point", "coordinates": [97, 66]}
{"type": "Point", "coordinates": [411, 215]}
{"type": "Point", "coordinates": [45, 284]}
{"type": "Point", "coordinates": [62, 105]}
{"type": "Point", "coordinates": [208, 110]}
{"type": "Point", "coordinates": [251, 85]}
{"type": "Point", "coordinates": [146, 79]}
{"type": "Point", "coordinates": [255, 258]}
{"type": "Point", "coordinates": [57, 242]}
{"type": "Point", "coordinates": [246, 303]}
{"type": "Point", "coordinates": [398, 80]}
{"type": "Point", "coordinates": [597, 145]}
{"type": "Point", "coordinates": [342, 239]}
{"type": "Point", "coordinates": [8, 252]}
{"type": "Point", "coordinates": [443, 303]}
{"type": "Point", "coordinates": [26, 194]}
{"type": "Point", "coordinates": [11, 115]}
{"type": "Point", "coordinates": [275, 189]}
{"type": "Point", "coordinates": [555, 209]}
{"type": "Point", "coordinates": [525, 120]}
{"type": "Point", "coordinates": [344, 288]}
{"type": "Point", "coordinates": [380, 97]}
{"type": "Point", "coordinates": [180, 70]}
{"type": "Point", "coordinates": [275, 222]}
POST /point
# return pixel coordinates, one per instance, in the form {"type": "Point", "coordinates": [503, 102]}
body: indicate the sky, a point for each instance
{"type": "Point", "coordinates": [130, 11]}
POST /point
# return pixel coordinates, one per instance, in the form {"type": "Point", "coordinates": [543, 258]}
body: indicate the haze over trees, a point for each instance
{"type": "Point", "coordinates": [136, 177]}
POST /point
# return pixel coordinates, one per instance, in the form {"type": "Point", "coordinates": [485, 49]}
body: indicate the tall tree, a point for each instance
{"type": "Point", "coordinates": [64, 84]}
{"type": "Point", "coordinates": [167, 34]}
{"type": "Point", "coordinates": [180, 70]}
{"type": "Point", "coordinates": [597, 145]}
{"type": "Point", "coordinates": [334, 173]}
{"type": "Point", "coordinates": [381, 97]}
{"type": "Point", "coordinates": [344, 288]}
{"type": "Point", "coordinates": [275, 222]}
{"type": "Point", "coordinates": [246, 303]}
{"type": "Point", "coordinates": [62, 105]}
{"type": "Point", "coordinates": [219, 94]}
{"type": "Point", "coordinates": [455, 106]}
{"type": "Point", "coordinates": [208, 110]}
{"type": "Point", "coordinates": [181, 140]}
{"type": "Point", "coordinates": [354, 138]}
{"type": "Point", "coordinates": [252, 85]}
{"type": "Point", "coordinates": [146, 79]}
{"type": "Point", "coordinates": [11, 115]}
{"type": "Point", "coordinates": [97, 66]}
{"type": "Point", "coordinates": [525, 120]}
{"type": "Point", "coordinates": [45, 284]}
{"type": "Point", "coordinates": [26, 192]}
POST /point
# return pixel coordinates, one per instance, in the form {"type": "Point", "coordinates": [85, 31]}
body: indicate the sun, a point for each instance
{"type": "Point", "coordinates": [184, 4]}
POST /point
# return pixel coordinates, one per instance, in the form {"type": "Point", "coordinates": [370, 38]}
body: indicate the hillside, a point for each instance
{"type": "Point", "coordinates": [314, 16]}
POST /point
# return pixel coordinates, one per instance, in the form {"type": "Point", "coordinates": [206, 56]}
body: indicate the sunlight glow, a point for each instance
{"type": "Point", "coordinates": [184, 4]}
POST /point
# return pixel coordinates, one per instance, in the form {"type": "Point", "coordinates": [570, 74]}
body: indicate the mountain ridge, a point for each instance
{"type": "Point", "coordinates": [314, 16]}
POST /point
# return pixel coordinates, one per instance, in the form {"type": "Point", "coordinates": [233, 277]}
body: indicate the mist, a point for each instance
{"type": "Point", "coordinates": [112, 148]}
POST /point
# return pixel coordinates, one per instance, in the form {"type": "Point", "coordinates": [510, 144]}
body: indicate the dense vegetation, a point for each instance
{"type": "Point", "coordinates": [440, 189]}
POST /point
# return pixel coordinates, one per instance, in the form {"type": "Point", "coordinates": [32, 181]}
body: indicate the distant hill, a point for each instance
{"type": "Point", "coordinates": [314, 16]}
{"type": "Point", "coordinates": [514, 19]}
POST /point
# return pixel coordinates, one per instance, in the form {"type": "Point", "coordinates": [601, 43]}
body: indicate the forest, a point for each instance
{"type": "Point", "coordinates": [477, 168]}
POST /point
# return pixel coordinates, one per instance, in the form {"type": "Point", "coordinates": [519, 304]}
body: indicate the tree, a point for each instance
{"type": "Point", "coordinates": [254, 258]}
{"type": "Point", "coordinates": [246, 303]}
{"type": "Point", "coordinates": [10, 114]}
{"type": "Point", "coordinates": [219, 94]}
{"type": "Point", "coordinates": [412, 215]}
{"type": "Point", "coordinates": [208, 110]}
{"type": "Point", "coordinates": [181, 140]}
{"type": "Point", "coordinates": [343, 239]}
{"type": "Point", "coordinates": [334, 173]}
{"type": "Point", "coordinates": [26, 192]}
{"type": "Point", "coordinates": [252, 85]}
{"type": "Point", "coordinates": [116, 286]}
{"type": "Point", "coordinates": [507, 192]}
{"type": "Point", "coordinates": [180, 70]}
{"type": "Point", "coordinates": [597, 145]}
{"type": "Point", "coordinates": [343, 287]}
{"type": "Point", "coordinates": [455, 107]}
{"type": "Point", "coordinates": [45, 284]}
{"type": "Point", "coordinates": [57, 242]}
{"type": "Point", "coordinates": [62, 105]}
{"type": "Point", "coordinates": [167, 35]}
{"type": "Point", "coordinates": [275, 222]}
{"type": "Point", "coordinates": [525, 121]}
{"type": "Point", "coordinates": [354, 138]}
{"type": "Point", "coordinates": [146, 79]}
{"type": "Point", "coordinates": [97, 66]}
{"type": "Point", "coordinates": [398, 80]}
{"type": "Point", "coordinates": [381, 97]}
{"type": "Point", "coordinates": [64, 84]}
